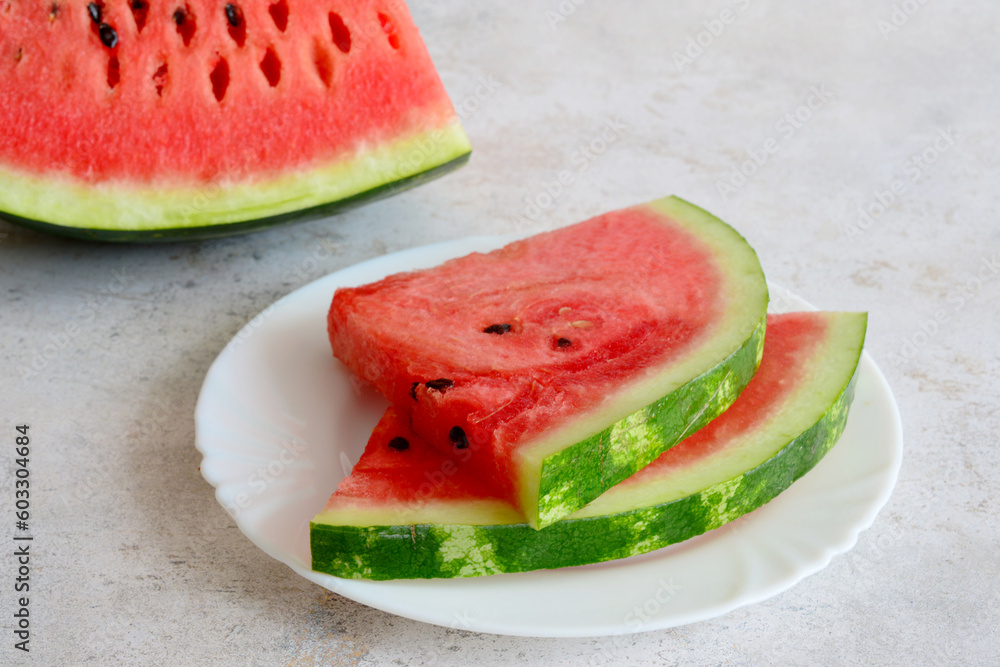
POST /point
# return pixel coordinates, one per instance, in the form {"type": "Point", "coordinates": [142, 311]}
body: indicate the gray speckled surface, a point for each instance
{"type": "Point", "coordinates": [132, 562]}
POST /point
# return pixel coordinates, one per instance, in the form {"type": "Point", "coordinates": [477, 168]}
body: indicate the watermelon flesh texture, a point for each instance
{"type": "Point", "coordinates": [408, 481]}
{"type": "Point", "coordinates": [419, 514]}
{"type": "Point", "coordinates": [206, 112]}
{"type": "Point", "coordinates": [649, 319]}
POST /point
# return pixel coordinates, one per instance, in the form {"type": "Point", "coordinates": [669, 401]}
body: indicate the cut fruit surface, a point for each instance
{"type": "Point", "coordinates": [200, 118]}
{"type": "Point", "coordinates": [563, 363]}
{"type": "Point", "coordinates": [417, 513]}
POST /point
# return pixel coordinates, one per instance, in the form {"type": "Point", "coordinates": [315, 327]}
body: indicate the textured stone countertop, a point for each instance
{"type": "Point", "coordinates": [895, 100]}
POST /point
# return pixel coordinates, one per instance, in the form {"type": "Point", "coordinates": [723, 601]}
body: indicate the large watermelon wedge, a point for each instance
{"type": "Point", "coordinates": [147, 120]}
{"type": "Point", "coordinates": [413, 512]}
{"type": "Point", "coordinates": [567, 361]}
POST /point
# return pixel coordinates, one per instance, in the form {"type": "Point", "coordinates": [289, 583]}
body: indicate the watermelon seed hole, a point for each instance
{"type": "Point", "coordinates": [399, 443]}
{"type": "Point", "coordinates": [458, 437]}
{"type": "Point", "coordinates": [341, 35]}
{"type": "Point", "coordinates": [220, 79]}
{"type": "Point", "coordinates": [324, 65]}
{"type": "Point", "coordinates": [279, 14]}
{"type": "Point", "coordinates": [271, 67]}
{"type": "Point", "coordinates": [140, 10]}
{"type": "Point", "coordinates": [389, 29]}
{"type": "Point", "coordinates": [114, 72]}
{"type": "Point", "coordinates": [185, 22]}
{"type": "Point", "coordinates": [160, 79]}
{"type": "Point", "coordinates": [237, 26]}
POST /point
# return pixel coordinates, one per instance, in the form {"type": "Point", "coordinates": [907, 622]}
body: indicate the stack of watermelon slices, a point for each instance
{"type": "Point", "coordinates": [587, 394]}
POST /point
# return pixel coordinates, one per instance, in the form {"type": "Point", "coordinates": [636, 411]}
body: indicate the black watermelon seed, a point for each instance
{"type": "Point", "coordinates": [498, 329]}
{"type": "Point", "coordinates": [109, 37]}
{"type": "Point", "coordinates": [413, 390]}
{"type": "Point", "coordinates": [400, 444]}
{"type": "Point", "coordinates": [440, 384]}
{"type": "Point", "coordinates": [564, 342]}
{"type": "Point", "coordinates": [179, 17]}
{"type": "Point", "coordinates": [53, 11]}
{"type": "Point", "coordinates": [458, 438]}
{"type": "Point", "coordinates": [94, 10]}
{"type": "Point", "coordinates": [233, 15]}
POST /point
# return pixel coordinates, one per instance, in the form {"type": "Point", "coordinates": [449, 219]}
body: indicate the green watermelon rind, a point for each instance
{"type": "Point", "coordinates": [588, 468]}
{"type": "Point", "coordinates": [381, 552]}
{"type": "Point", "coordinates": [558, 475]}
{"type": "Point", "coordinates": [436, 551]}
{"type": "Point", "coordinates": [245, 227]}
{"type": "Point", "coordinates": [174, 215]}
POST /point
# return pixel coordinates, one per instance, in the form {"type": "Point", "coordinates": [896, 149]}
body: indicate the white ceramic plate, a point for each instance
{"type": "Point", "coordinates": [280, 422]}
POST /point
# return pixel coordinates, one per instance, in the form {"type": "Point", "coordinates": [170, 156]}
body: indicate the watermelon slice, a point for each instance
{"type": "Point", "coordinates": [142, 120]}
{"type": "Point", "coordinates": [565, 362]}
{"type": "Point", "coordinates": [413, 512]}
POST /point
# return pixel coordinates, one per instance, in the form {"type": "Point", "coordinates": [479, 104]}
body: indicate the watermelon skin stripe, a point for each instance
{"type": "Point", "coordinates": [436, 551]}
{"type": "Point", "coordinates": [580, 473]}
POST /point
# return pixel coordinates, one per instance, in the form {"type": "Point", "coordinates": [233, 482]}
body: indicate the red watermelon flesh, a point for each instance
{"type": "Point", "coordinates": [513, 385]}
{"type": "Point", "coordinates": [419, 484]}
{"type": "Point", "coordinates": [409, 469]}
{"type": "Point", "coordinates": [497, 352]}
{"type": "Point", "coordinates": [184, 96]}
